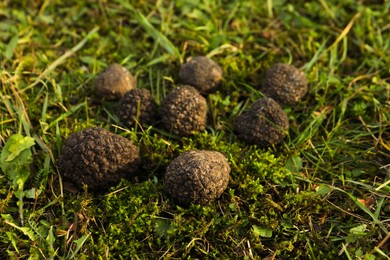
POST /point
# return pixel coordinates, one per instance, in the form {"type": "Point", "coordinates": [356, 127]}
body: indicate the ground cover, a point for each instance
{"type": "Point", "coordinates": [321, 194]}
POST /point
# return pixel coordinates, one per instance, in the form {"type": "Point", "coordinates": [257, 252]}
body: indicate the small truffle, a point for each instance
{"type": "Point", "coordinates": [264, 124]}
{"type": "Point", "coordinates": [114, 82]}
{"type": "Point", "coordinates": [137, 105]}
{"type": "Point", "coordinates": [202, 73]}
{"type": "Point", "coordinates": [184, 111]}
{"type": "Point", "coordinates": [197, 177]}
{"type": "Point", "coordinates": [97, 158]}
{"type": "Point", "coordinates": [285, 84]}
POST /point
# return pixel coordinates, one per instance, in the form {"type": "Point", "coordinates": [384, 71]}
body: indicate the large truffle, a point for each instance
{"type": "Point", "coordinates": [184, 111]}
{"type": "Point", "coordinates": [137, 105]}
{"type": "Point", "coordinates": [264, 124]}
{"type": "Point", "coordinates": [114, 82]}
{"type": "Point", "coordinates": [202, 73]}
{"type": "Point", "coordinates": [285, 84]}
{"type": "Point", "coordinates": [97, 158]}
{"type": "Point", "coordinates": [197, 177]}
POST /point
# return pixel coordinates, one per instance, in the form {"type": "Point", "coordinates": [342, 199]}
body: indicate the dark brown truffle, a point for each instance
{"type": "Point", "coordinates": [114, 82]}
{"type": "Point", "coordinates": [285, 84]}
{"type": "Point", "coordinates": [137, 105]}
{"type": "Point", "coordinates": [98, 159]}
{"type": "Point", "coordinates": [197, 177]}
{"type": "Point", "coordinates": [264, 124]}
{"type": "Point", "coordinates": [202, 73]}
{"type": "Point", "coordinates": [184, 111]}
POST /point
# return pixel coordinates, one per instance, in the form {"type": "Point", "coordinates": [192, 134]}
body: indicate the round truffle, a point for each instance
{"type": "Point", "coordinates": [184, 111]}
{"type": "Point", "coordinates": [114, 82]}
{"type": "Point", "coordinates": [202, 73]}
{"type": "Point", "coordinates": [137, 105]}
{"type": "Point", "coordinates": [264, 124]}
{"type": "Point", "coordinates": [97, 158]}
{"type": "Point", "coordinates": [285, 84]}
{"type": "Point", "coordinates": [197, 177]}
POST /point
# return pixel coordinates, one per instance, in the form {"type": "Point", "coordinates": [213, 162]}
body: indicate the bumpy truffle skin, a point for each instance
{"type": "Point", "coordinates": [264, 124]}
{"type": "Point", "coordinates": [184, 111]}
{"type": "Point", "coordinates": [137, 105]}
{"type": "Point", "coordinates": [202, 73]}
{"type": "Point", "coordinates": [197, 177]}
{"type": "Point", "coordinates": [285, 84]}
{"type": "Point", "coordinates": [98, 158]}
{"type": "Point", "coordinates": [114, 82]}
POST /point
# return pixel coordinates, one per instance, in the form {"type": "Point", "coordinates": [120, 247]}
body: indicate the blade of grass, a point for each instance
{"type": "Point", "coordinates": [9, 51]}
{"type": "Point", "coordinates": [44, 111]}
{"type": "Point", "coordinates": [149, 28]}
{"type": "Point", "coordinates": [269, 9]}
{"type": "Point", "coordinates": [62, 59]}
{"type": "Point", "coordinates": [316, 56]}
{"type": "Point", "coordinates": [345, 31]}
{"type": "Point", "coordinates": [312, 128]}
{"type": "Point", "coordinates": [364, 208]}
{"type": "Point", "coordinates": [65, 115]}
{"type": "Point", "coordinates": [383, 185]}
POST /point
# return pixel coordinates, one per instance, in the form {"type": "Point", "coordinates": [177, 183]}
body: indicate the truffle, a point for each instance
{"type": "Point", "coordinates": [285, 84]}
{"type": "Point", "coordinates": [197, 177]}
{"type": "Point", "coordinates": [202, 73]}
{"type": "Point", "coordinates": [97, 158]}
{"type": "Point", "coordinates": [264, 124]}
{"type": "Point", "coordinates": [114, 82]}
{"type": "Point", "coordinates": [137, 105]}
{"type": "Point", "coordinates": [184, 111]}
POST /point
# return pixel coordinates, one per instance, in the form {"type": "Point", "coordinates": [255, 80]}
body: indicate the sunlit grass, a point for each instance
{"type": "Point", "coordinates": [322, 194]}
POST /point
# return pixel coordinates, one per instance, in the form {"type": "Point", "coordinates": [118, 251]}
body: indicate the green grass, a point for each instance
{"type": "Point", "coordinates": [322, 194]}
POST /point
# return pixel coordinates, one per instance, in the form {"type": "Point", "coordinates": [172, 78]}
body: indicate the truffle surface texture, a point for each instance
{"type": "Point", "coordinates": [114, 82]}
{"type": "Point", "coordinates": [285, 84]}
{"type": "Point", "coordinates": [202, 73]}
{"type": "Point", "coordinates": [137, 105]}
{"type": "Point", "coordinates": [264, 124]}
{"type": "Point", "coordinates": [97, 158]}
{"type": "Point", "coordinates": [197, 177]}
{"type": "Point", "coordinates": [184, 111]}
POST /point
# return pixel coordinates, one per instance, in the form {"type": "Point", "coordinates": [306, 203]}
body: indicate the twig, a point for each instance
{"type": "Point", "coordinates": [381, 243]}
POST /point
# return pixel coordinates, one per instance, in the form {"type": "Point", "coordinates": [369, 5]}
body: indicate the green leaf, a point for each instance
{"type": "Point", "coordinates": [32, 193]}
{"type": "Point", "coordinates": [356, 233]}
{"type": "Point", "coordinates": [359, 229]}
{"type": "Point", "coordinates": [16, 145]}
{"type": "Point", "coordinates": [294, 163]}
{"type": "Point", "coordinates": [79, 243]}
{"type": "Point", "coordinates": [11, 237]}
{"type": "Point", "coordinates": [15, 159]}
{"type": "Point", "coordinates": [161, 226]}
{"type": "Point", "coordinates": [263, 232]}
{"type": "Point", "coordinates": [9, 51]}
{"type": "Point", "coordinates": [25, 230]}
{"type": "Point", "coordinates": [323, 189]}
{"type": "Point", "coordinates": [50, 239]}
{"type": "Point", "coordinates": [7, 217]}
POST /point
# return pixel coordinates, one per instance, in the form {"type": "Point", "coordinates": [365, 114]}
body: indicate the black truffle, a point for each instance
{"type": "Point", "coordinates": [137, 105]}
{"type": "Point", "coordinates": [285, 84]}
{"type": "Point", "coordinates": [184, 111]}
{"type": "Point", "coordinates": [114, 82]}
{"type": "Point", "coordinates": [202, 73]}
{"type": "Point", "coordinates": [264, 124]}
{"type": "Point", "coordinates": [97, 158]}
{"type": "Point", "coordinates": [197, 177]}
